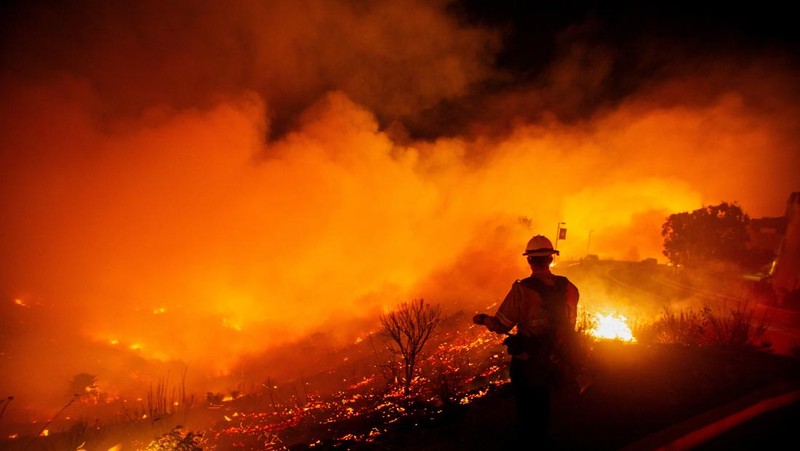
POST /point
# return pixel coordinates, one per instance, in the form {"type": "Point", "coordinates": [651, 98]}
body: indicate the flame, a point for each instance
{"type": "Point", "coordinates": [611, 327]}
{"type": "Point", "coordinates": [259, 208]}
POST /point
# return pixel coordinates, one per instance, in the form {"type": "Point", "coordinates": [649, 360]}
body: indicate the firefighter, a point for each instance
{"type": "Point", "coordinates": [543, 309]}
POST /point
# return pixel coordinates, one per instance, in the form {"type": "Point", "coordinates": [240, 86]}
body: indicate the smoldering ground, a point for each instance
{"type": "Point", "coordinates": [191, 183]}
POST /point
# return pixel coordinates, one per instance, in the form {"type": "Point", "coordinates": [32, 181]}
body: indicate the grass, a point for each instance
{"type": "Point", "coordinates": [735, 327]}
{"type": "Point", "coordinates": [685, 362]}
{"type": "Point", "coordinates": [156, 424]}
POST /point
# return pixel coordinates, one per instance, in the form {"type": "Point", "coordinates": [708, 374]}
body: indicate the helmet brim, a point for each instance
{"type": "Point", "coordinates": [540, 253]}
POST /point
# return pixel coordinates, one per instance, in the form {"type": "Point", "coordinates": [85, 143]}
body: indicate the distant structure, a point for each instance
{"type": "Point", "coordinates": [785, 272]}
{"type": "Point", "coordinates": [767, 233]}
{"type": "Point", "coordinates": [781, 236]}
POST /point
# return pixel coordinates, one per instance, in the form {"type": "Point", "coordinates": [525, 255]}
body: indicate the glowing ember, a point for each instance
{"type": "Point", "coordinates": [611, 327]}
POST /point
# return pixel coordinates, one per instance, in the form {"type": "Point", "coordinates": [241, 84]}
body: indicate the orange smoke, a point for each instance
{"type": "Point", "coordinates": [140, 243]}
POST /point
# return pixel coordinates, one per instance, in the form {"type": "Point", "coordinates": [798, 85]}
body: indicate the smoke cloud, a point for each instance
{"type": "Point", "coordinates": [188, 185]}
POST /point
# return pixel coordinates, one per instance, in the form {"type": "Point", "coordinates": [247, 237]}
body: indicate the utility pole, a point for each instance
{"type": "Point", "coordinates": [589, 241]}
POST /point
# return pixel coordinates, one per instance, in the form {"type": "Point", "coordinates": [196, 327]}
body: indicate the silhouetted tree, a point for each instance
{"type": "Point", "coordinates": [716, 233]}
{"type": "Point", "coordinates": [409, 327]}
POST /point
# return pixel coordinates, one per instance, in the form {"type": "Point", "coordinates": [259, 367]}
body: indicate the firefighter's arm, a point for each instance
{"type": "Point", "coordinates": [490, 322]}
{"type": "Point", "coordinates": [507, 314]}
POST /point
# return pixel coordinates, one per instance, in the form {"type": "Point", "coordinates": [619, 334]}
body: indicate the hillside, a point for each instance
{"type": "Point", "coordinates": [463, 400]}
{"type": "Point", "coordinates": [637, 391]}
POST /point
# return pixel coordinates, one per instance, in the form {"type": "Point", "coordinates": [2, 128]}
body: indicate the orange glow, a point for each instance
{"type": "Point", "coordinates": [611, 327]}
{"type": "Point", "coordinates": [214, 206]}
{"type": "Point", "coordinates": [231, 325]}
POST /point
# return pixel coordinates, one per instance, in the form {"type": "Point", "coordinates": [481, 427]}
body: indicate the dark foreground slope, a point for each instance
{"type": "Point", "coordinates": [642, 397]}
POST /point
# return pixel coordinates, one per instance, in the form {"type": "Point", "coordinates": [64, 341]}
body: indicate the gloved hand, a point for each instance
{"type": "Point", "coordinates": [480, 318]}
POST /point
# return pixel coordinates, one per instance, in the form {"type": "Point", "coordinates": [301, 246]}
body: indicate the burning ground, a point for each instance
{"type": "Point", "coordinates": [460, 398]}
{"type": "Point", "coordinates": [191, 188]}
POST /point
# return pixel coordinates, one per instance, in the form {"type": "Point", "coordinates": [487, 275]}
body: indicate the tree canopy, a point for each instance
{"type": "Point", "coordinates": [715, 233]}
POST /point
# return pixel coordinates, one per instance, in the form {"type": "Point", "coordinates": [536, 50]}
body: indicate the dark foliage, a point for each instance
{"type": "Point", "coordinates": [711, 235]}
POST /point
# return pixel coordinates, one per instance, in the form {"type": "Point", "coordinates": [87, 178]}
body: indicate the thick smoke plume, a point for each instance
{"type": "Point", "coordinates": [185, 185]}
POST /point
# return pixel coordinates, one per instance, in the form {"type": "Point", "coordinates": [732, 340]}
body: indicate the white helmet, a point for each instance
{"type": "Point", "coordinates": [539, 246]}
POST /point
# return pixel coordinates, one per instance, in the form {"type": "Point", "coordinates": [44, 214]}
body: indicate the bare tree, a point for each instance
{"type": "Point", "coordinates": [409, 327]}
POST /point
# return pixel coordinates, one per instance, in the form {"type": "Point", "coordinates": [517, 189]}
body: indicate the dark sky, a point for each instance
{"type": "Point", "coordinates": [639, 42]}
{"type": "Point", "coordinates": [634, 42]}
{"type": "Point", "coordinates": [532, 29]}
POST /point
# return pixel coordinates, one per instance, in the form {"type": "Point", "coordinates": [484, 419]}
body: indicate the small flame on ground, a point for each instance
{"type": "Point", "coordinates": [611, 327]}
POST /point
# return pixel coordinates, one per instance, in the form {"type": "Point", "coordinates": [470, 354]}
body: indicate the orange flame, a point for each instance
{"type": "Point", "coordinates": [611, 327]}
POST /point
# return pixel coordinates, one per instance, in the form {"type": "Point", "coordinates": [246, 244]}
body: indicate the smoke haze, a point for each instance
{"type": "Point", "coordinates": [190, 184]}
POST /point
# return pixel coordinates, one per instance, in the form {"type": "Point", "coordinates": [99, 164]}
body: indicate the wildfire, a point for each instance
{"type": "Point", "coordinates": [611, 327]}
{"type": "Point", "coordinates": [468, 361]}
